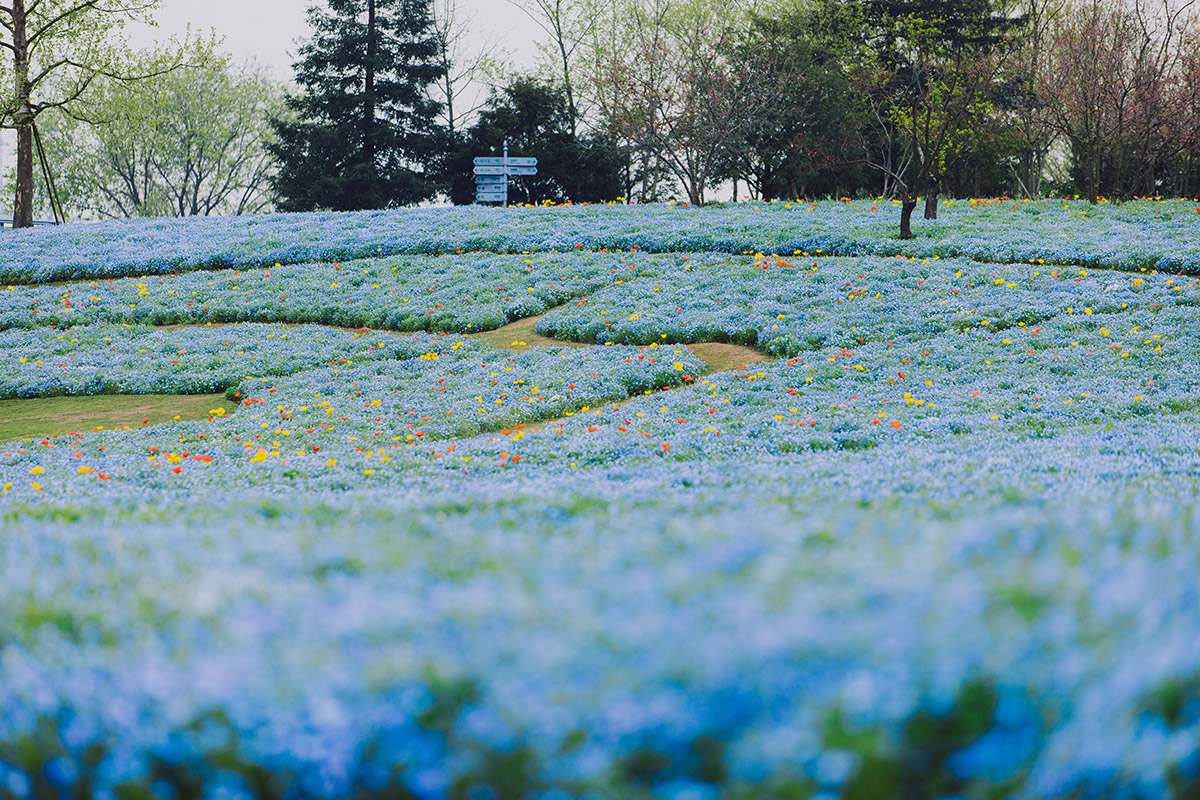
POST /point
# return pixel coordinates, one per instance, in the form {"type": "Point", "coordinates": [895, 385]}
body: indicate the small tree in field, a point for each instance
{"type": "Point", "coordinates": [938, 64]}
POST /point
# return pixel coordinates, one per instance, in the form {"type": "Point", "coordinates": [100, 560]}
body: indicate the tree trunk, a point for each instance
{"type": "Point", "coordinates": [557, 23]}
{"type": "Point", "coordinates": [1094, 176]}
{"type": "Point", "coordinates": [931, 198]}
{"type": "Point", "coordinates": [23, 202]}
{"type": "Point", "coordinates": [369, 92]}
{"type": "Point", "coordinates": [906, 209]}
{"type": "Point", "coordinates": [1031, 173]}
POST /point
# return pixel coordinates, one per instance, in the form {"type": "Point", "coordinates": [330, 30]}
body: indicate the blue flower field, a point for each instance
{"type": "Point", "coordinates": [933, 533]}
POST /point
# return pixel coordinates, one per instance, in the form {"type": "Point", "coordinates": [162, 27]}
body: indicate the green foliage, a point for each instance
{"type": "Point", "coordinates": [803, 141]}
{"type": "Point", "coordinates": [362, 133]}
{"type": "Point", "coordinates": [917, 762]}
{"type": "Point", "coordinates": [198, 148]}
{"type": "Point", "coordinates": [535, 118]}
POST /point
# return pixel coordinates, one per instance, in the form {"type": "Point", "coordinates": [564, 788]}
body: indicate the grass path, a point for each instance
{"type": "Point", "coordinates": [54, 416]}
{"type": "Point", "coordinates": [520, 336]}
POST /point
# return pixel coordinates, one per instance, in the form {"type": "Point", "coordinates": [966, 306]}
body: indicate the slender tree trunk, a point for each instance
{"type": "Point", "coordinates": [23, 202]}
{"type": "Point", "coordinates": [566, 62]}
{"type": "Point", "coordinates": [1031, 179]}
{"type": "Point", "coordinates": [931, 198]}
{"type": "Point", "coordinates": [1094, 176]}
{"type": "Point", "coordinates": [907, 204]}
{"type": "Point", "coordinates": [369, 105]}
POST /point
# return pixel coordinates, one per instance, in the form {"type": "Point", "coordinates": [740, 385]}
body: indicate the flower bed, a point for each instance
{"type": "Point", "coordinates": [945, 545]}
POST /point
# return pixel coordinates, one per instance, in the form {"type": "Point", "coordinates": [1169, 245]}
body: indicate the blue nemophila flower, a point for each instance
{"type": "Point", "coordinates": [936, 527]}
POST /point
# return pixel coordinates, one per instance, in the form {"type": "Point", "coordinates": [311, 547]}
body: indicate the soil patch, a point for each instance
{"type": "Point", "coordinates": [717, 356]}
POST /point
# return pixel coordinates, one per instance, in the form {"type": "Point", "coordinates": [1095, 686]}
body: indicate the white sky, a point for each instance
{"type": "Point", "coordinates": [269, 29]}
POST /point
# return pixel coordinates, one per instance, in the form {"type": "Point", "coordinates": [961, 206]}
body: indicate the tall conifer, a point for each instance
{"type": "Point", "coordinates": [363, 130]}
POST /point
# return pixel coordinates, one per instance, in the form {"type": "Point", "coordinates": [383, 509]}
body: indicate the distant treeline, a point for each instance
{"type": "Point", "coordinates": [660, 99]}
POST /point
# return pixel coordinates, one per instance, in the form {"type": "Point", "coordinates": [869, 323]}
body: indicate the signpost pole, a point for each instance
{"type": "Point", "coordinates": [492, 175]}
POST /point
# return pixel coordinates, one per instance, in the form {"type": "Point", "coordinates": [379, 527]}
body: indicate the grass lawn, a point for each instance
{"type": "Point", "coordinates": [42, 417]}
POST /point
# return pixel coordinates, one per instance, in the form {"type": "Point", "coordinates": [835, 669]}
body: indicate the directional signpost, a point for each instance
{"type": "Point", "coordinates": [492, 174]}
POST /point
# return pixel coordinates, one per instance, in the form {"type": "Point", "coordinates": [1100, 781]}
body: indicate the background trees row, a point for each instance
{"type": "Point", "coordinates": [641, 99]}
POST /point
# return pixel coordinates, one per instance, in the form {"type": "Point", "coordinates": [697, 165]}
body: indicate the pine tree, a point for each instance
{"type": "Point", "coordinates": [364, 129]}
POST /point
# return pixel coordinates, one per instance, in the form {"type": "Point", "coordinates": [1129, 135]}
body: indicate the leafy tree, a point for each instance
{"type": "Point", "coordinates": [190, 142]}
{"type": "Point", "coordinates": [938, 64]}
{"type": "Point", "coordinates": [364, 128]}
{"type": "Point", "coordinates": [535, 118]}
{"type": "Point", "coordinates": [799, 141]}
{"type": "Point", "coordinates": [59, 49]}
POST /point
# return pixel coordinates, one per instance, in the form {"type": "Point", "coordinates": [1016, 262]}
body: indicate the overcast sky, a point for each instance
{"type": "Point", "coordinates": [268, 29]}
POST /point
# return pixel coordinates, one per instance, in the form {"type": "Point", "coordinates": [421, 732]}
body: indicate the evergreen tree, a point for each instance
{"type": "Point", "coordinates": [364, 129]}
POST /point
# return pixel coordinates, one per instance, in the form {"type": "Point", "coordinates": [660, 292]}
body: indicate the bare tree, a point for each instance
{"type": "Point", "coordinates": [1119, 93]}
{"type": "Point", "coordinates": [565, 23]}
{"type": "Point", "coordinates": [466, 62]}
{"type": "Point", "coordinates": [1157, 132]}
{"type": "Point", "coordinates": [1028, 109]}
{"type": "Point", "coordinates": [672, 87]}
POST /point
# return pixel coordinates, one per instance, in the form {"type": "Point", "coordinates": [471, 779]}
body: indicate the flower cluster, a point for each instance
{"type": "Point", "coordinates": [140, 359]}
{"type": "Point", "coordinates": [1150, 233]}
{"type": "Point", "coordinates": [456, 292]}
{"type": "Point", "coordinates": [942, 541]}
